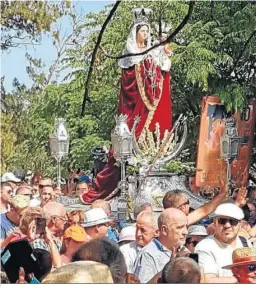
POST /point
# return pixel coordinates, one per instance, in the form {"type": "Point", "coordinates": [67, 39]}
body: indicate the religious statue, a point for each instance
{"type": "Point", "coordinates": [145, 92]}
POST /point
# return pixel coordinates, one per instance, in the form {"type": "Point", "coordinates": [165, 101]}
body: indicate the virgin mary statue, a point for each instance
{"type": "Point", "coordinates": [145, 92]}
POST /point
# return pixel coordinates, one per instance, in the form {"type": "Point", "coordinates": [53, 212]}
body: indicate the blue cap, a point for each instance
{"type": "Point", "coordinates": [84, 178]}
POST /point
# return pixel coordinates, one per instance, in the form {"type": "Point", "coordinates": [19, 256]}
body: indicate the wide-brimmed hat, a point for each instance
{"type": "Point", "coordinates": [80, 272]}
{"type": "Point", "coordinates": [10, 177]}
{"type": "Point", "coordinates": [76, 233]}
{"type": "Point", "coordinates": [229, 210]}
{"type": "Point", "coordinates": [242, 256]}
{"type": "Point", "coordinates": [197, 230]}
{"type": "Point", "coordinates": [95, 217]}
{"type": "Point", "coordinates": [127, 234]}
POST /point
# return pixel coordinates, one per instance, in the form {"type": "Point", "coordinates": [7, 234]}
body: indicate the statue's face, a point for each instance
{"type": "Point", "coordinates": [246, 274]}
{"type": "Point", "coordinates": [142, 34]}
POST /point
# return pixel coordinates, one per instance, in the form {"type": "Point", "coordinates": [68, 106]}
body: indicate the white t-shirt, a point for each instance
{"type": "Point", "coordinates": [213, 255]}
{"type": "Point", "coordinates": [130, 252]}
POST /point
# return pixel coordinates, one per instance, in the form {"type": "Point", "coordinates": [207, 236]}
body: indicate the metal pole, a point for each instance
{"type": "Point", "coordinates": [58, 174]}
{"type": "Point", "coordinates": [121, 203]}
{"type": "Point", "coordinates": [229, 177]}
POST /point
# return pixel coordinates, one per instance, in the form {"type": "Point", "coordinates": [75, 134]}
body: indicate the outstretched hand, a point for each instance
{"type": "Point", "coordinates": [241, 199]}
{"type": "Point", "coordinates": [21, 279]}
{"type": "Point", "coordinates": [48, 235]}
{"type": "Point", "coordinates": [22, 275]}
{"type": "Point", "coordinates": [176, 252]}
{"type": "Point", "coordinates": [223, 186]}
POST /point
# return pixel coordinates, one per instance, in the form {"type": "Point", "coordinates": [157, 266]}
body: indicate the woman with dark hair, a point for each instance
{"type": "Point", "coordinates": [104, 251]}
{"type": "Point", "coordinates": [145, 93]}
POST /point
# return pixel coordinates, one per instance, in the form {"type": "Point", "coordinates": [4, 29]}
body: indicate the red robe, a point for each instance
{"type": "Point", "coordinates": [138, 97]}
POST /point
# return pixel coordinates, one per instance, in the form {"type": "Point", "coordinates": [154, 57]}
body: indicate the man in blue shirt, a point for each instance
{"type": "Point", "coordinates": [11, 219]}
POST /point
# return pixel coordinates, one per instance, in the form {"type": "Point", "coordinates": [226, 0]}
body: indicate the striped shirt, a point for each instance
{"type": "Point", "coordinates": [6, 226]}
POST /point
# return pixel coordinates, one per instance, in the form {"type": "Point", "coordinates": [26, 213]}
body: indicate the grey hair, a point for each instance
{"type": "Point", "coordinates": [140, 207]}
{"type": "Point", "coordinates": [153, 218]}
{"type": "Point", "coordinates": [51, 209]}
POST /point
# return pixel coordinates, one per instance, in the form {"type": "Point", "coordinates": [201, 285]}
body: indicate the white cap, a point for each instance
{"type": "Point", "coordinates": [127, 234]}
{"type": "Point", "coordinates": [10, 177]}
{"type": "Point", "coordinates": [229, 210]}
{"type": "Point", "coordinates": [197, 230]}
{"type": "Point", "coordinates": [95, 217]}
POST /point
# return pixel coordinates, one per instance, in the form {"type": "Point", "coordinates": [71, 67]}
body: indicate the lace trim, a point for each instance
{"type": "Point", "coordinates": [150, 107]}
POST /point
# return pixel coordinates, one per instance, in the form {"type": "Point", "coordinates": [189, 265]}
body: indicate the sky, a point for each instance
{"type": "Point", "coordinates": [14, 62]}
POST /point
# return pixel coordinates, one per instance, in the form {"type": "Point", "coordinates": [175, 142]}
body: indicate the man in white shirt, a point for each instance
{"type": "Point", "coordinates": [146, 230]}
{"type": "Point", "coordinates": [215, 251]}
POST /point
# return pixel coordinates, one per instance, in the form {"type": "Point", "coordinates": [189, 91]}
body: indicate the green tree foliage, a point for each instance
{"type": "Point", "coordinates": [214, 54]}
{"type": "Point", "coordinates": [22, 22]}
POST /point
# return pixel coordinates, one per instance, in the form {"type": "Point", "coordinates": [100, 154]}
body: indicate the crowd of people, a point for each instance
{"type": "Point", "coordinates": [180, 245]}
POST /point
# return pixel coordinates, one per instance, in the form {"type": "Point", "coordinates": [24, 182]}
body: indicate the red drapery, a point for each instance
{"type": "Point", "coordinates": [144, 96]}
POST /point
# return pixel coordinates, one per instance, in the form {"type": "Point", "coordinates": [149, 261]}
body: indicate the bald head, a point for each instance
{"type": "Point", "coordinates": [170, 216]}
{"type": "Point", "coordinates": [102, 204]}
{"type": "Point", "coordinates": [172, 225]}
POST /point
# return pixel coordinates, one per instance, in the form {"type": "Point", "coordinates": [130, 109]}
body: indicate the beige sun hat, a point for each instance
{"type": "Point", "coordinates": [127, 234]}
{"type": "Point", "coordinates": [197, 230]}
{"type": "Point", "coordinates": [80, 272]}
{"type": "Point", "coordinates": [95, 217]}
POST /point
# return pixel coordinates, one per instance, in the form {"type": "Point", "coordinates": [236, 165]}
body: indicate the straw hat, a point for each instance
{"type": "Point", "coordinates": [242, 256]}
{"type": "Point", "coordinates": [80, 272]}
{"type": "Point", "coordinates": [95, 217]}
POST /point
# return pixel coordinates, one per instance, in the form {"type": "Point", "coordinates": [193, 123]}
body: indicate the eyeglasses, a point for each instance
{"type": "Point", "coordinates": [194, 243]}
{"type": "Point", "coordinates": [186, 203]}
{"type": "Point", "coordinates": [64, 219]}
{"type": "Point", "coordinates": [232, 222]}
{"type": "Point", "coordinates": [252, 267]}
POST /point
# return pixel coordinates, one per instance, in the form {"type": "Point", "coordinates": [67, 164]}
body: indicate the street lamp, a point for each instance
{"type": "Point", "coordinates": [229, 146]}
{"type": "Point", "coordinates": [59, 144]}
{"type": "Point", "coordinates": [122, 143]}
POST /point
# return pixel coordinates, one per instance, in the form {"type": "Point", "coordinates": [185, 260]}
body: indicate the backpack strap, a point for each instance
{"type": "Point", "coordinates": [244, 241]}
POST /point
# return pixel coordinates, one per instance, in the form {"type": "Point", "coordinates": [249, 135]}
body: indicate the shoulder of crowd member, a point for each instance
{"type": "Point", "coordinates": [131, 245]}
{"type": "Point", "coordinates": [40, 244]}
{"type": "Point", "coordinates": [145, 267]}
{"type": "Point", "coordinates": [206, 258]}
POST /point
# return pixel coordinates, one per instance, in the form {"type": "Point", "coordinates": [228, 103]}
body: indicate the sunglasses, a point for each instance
{"type": "Point", "coordinates": [186, 203]}
{"type": "Point", "coordinates": [194, 243]}
{"type": "Point", "coordinates": [252, 267]}
{"type": "Point", "coordinates": [223, 221]}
